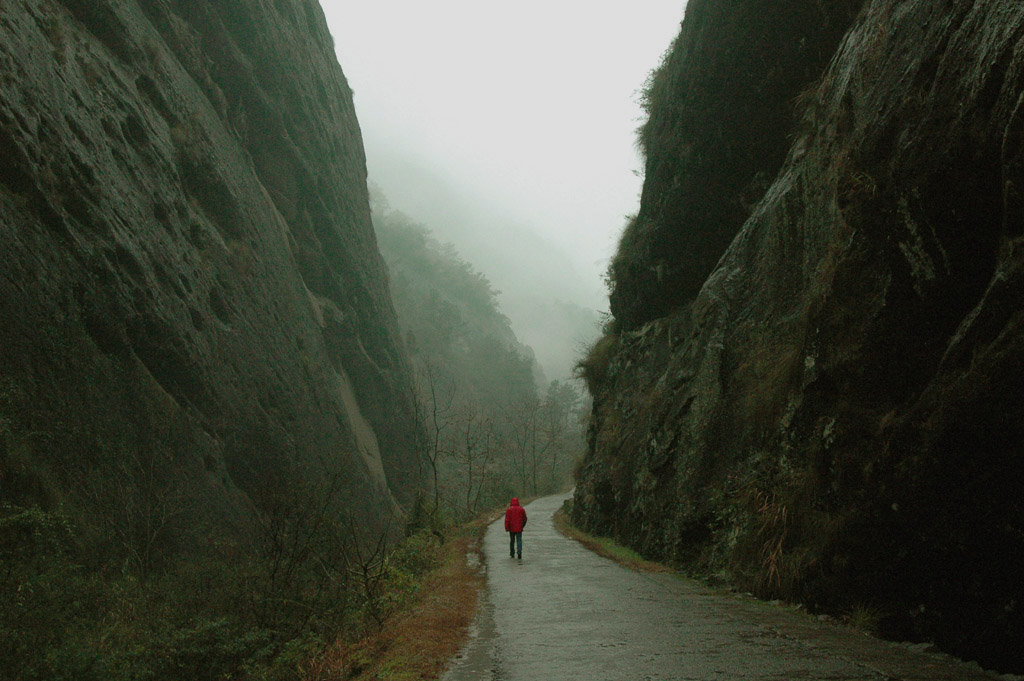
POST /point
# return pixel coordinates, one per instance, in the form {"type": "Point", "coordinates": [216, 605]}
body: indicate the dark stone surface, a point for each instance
{"type": "Point", "coordinates": [835, 417]}
{"type": "Point", "coordinates": [721, 112]}
{"type": "Point", "coordinates": [190, 278]}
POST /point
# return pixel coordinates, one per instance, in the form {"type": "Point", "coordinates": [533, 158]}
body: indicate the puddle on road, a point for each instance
{"type": "Point", "coordinates": [475, 662]}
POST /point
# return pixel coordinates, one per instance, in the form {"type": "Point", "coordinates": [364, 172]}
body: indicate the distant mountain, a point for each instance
{"type": "Point", "coordinates": [559, 331]}
{"type": "Point", "coordinates": [498, 427]}
{"type": "Point", "coordinates": [449, 313]}
{"type": "Point", "coordinates": [536, 282]}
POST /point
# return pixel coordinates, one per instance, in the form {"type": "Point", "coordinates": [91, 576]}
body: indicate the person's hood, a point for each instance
{"type": "Point", "coordinates": [515, 501]}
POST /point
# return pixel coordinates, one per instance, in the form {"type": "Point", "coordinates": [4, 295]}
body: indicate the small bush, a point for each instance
{"type": "Point", "coordinates": [419, 553]}
{"type": "Point", "coordinates": [209, 648]}
{"type": "Point", "coordinates": [866, 618]}
{"type": "Point", "coordinates": [593, 368]}
{"type": "Point", "coordinates": [45, 598]}
{"type": "Point", "coordinates": [74, 662]}
{"type": "Point", "coordinates": [191, 620]}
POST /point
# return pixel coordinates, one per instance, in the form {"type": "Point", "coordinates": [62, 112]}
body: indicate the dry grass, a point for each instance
{"type": "Point", "coordinates": [593, 368]}
{"type": "Point", "coordinates": [419, 642]}
{"type": "Point", "coordinates": [865, 618]}
{"type": "Point", "coordinates": [774, 518]}
{"type": "Point", "coordinates": [603, 546]}
{"type": "Point", "coordinates": [763, 377]}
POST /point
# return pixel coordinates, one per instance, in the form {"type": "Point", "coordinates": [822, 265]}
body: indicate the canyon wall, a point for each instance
{"type": "Point", "coordinates": [827, 408]}
{"type": "Point", "coordinates": [192, 304]}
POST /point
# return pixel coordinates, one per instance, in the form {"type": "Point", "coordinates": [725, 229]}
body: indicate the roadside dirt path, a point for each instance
{"type": "Point", "coordinates": [563, 613]}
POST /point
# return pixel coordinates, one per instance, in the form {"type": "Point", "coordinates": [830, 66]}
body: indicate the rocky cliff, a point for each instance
{"type": "Point", "coordinates": [833, 414]}
{"type": "Point", "coordinates": [193, 306]}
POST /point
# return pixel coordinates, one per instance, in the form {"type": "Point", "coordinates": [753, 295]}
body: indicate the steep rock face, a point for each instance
{"type": "Point", "coordinates": [721, 107]}
{"type": "Point", "coordinates": [192, 302]}
{"type": "Point", "coordinates": [836, 417]}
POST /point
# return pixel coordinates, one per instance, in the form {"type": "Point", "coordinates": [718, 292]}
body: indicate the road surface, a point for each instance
{"type": "Point", "coordinates": [563, 613]}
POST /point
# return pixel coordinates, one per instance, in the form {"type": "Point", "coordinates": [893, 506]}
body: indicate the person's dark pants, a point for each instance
{"type": "Point", "coordinates": [515, 544]}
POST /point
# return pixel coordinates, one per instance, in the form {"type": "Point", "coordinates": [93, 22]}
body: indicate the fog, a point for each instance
{"type": "Point", "coordinates": [509, 130]}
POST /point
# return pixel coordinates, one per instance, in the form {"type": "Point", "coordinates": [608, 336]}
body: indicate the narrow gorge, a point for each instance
{"type": "Point", "coordinates": [242, 417]}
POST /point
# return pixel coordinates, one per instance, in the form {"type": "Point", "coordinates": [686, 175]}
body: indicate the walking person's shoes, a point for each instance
{"type": "Point", "coordinates": [520, 556]}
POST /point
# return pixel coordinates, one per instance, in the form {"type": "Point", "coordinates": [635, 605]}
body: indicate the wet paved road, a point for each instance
{"type": "Point", "coordinates": [564, 613]}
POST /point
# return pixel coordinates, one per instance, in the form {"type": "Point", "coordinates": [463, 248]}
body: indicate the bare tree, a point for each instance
{"type": "Point", "coordinates": [137, 502]}
{"type": "Point", "coordinates": [439, 395]}
{"type": "Point", "coordinates": [473, 451]}
{"type": "Point", "coordinates": [302, 544]}
{"type": "Point", "coordinates": [558, 414]}
{"type": "Point", "coordinates": [369, 564]}
{"type": "Point", "coordinates": [523, 419]}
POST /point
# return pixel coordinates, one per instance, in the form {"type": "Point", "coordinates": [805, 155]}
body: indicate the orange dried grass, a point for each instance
{"type": "Point", "coordinates": [419, 642]}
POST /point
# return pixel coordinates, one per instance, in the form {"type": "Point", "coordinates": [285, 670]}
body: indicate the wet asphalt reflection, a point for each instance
{"type": "Point", "coordinates": [564, 613]}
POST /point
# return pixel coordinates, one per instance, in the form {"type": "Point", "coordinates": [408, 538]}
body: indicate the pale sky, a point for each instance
{"type": "Point", "coordinates": [526, 109]}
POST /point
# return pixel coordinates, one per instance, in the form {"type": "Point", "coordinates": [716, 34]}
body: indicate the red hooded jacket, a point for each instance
{"type": "Point", "coordinates": [515, 517]}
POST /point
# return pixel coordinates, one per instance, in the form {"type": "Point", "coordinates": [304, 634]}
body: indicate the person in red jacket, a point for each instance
{"type": "Point", "coordinates": [515, 521]}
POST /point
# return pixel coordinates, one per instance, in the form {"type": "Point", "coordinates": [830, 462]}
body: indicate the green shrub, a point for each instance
{"type": "Point", "coordinates": [74, 662]}
{"type": "Point", "coordinates": [32, 534]}
{"type": "Point", "coordinates": [67, 611]}
{"type": "Point", "coordinates": [45, 599]}
{"type": "Point", "coordinates": [419, 553]}
{"type": "Point", "coordinates": [593, 368]}
{"type": "Point", "coordinates": [210, 649]}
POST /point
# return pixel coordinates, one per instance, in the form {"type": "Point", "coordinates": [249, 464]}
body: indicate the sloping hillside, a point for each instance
{"type": "Point", "coordinates": [831, 416]}
{"type": "Point", "coordinates": [496, 429]}
{"type": "Point", "coordinates": [451, 316]}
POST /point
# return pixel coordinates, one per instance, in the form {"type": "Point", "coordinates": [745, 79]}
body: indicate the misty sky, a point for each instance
{"type": "Point", "coordinates": [525, 112]}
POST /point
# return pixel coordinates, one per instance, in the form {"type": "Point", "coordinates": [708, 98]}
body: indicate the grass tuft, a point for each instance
{"type": "Point", "coordinates": [865, 618]}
